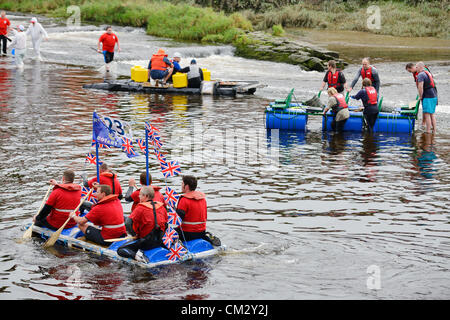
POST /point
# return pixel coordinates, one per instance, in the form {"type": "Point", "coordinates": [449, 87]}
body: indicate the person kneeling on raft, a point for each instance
{"type": "Point", "coordinates": [107, 214]}
{"type": "Point", "coordinates": [194, 74]}
{"type": "Point", "coordinates": [339, 108]}
{"type": "Point", "coordinates": [148, 223]}
{"type": "Point", "coordinates": [368, 94]}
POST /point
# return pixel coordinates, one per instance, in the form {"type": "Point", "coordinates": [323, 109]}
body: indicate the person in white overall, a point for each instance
{"type": "Point", "coordinates": [20, 46]}
{"type": "Point", "coordinates": [37, 32]}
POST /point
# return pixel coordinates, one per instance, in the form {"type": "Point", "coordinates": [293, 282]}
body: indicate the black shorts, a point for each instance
{"type": "Point", "coordinates": [109, 56]}
{"type": "Point", "coordinates": [93, 234]}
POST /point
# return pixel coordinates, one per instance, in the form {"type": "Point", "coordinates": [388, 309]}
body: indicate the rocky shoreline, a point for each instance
{"type": "Point", "coordinates": [262, 46]}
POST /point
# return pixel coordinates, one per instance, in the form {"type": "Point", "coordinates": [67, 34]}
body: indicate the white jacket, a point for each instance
{"type": "Point", "coordinates": [36, 31]}
{"type": "Point", "coordinates": [20, 41]}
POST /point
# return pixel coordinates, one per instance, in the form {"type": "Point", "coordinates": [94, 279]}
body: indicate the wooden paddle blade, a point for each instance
{"type": "Point", "coordinates": [28, 233]}
{"type": "Point", "coordinates": [119, 239]}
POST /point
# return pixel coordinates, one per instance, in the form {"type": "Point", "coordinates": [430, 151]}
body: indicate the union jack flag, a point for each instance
{"type": "Point", "coordinates": [159, 156]}
{"type": "Point", "coordinates": [142, 145]}
{"type": "Point", "coordinates": [171, 197]}
{"type": "Point", "coordinates": [92, 197]}
{"type": "Point", "coordinates": [170, 236]}
{"type": "Point", "coordinates": [176, 252]}
{"type": "Point", "coordinates": [100, 145]}
{"type": "Point", "coordinates": [92, 159]}
{"type": "Point", "coordinates": [151, 129]}
{"type": "Point", "coordinates": [155, 140]}
{"type": "Point", "coordinates": [127, 147]}
{"type": "Point", "coordinates": [173, 218]}
{"type": "Point", "coordinates": [170, 168]}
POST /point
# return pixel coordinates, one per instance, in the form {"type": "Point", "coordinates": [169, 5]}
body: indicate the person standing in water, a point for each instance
{"type": "Point", "coordinates": [428, 94]}
{"type": "Point", "coordinates": [20, 45]}
{"type": "Point", "coordinates": [5, 26]}
{"type": "Point", "coordinates": [108, 41]}
{"type": "Point", "coordinates": [37, 32]}
{"type": "Point", "coordinates": [367, 71]}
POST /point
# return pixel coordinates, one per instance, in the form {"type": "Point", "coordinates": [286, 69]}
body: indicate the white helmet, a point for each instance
{"type": "Point", "coordinates": [177, 55]}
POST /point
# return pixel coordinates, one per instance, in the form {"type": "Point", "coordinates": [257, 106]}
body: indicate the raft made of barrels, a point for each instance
{"type": "Point", "coordinates": [217, 88]}
{"type": "Point", "coordinates": [74, 238]}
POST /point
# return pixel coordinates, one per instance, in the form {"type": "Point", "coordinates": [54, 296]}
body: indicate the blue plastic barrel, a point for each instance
{"type": "Point", "coordinates": [287, 119]}
{"type": "Point", "coordinates": [391, 122]}
{"type": "Point", "coordinates": [354, 123]}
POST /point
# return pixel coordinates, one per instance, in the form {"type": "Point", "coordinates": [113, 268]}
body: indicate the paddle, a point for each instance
{"type": "Point", "coordinates": [51, 241]}
{"type": "Point", "coordinates": [120, 239]}
{"type": "Point", "coordinates": [29, 232]}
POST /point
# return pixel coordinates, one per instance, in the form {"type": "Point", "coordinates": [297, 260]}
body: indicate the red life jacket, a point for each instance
{"type": "Point", "coordinates": [63, 199]}
{"type": "Point", "coordinates": [143, 218]}
{"type": "Point", "coordinates": [108, 214]}
{"type": "Point", "coordinates": [157, 61]}
{"type": "Point", "coordinates": [157, 198]}
{"type": "Point", "coordinates": [109, 179]}
{"type": "Point", "coordinates": [341, 104]}
{"type": "Point", "coordinates": [372, 95]}
{"type": "Point", "coordinates": [415, 74]}
{"type": "Point", "coordinates": [367, 73]}
{"type": "Point", "coordinates": [194, 204]}
{"type": "Point", "coordinates": [333, 79]}
{"type": "Point", "coordinates": [430, 83]}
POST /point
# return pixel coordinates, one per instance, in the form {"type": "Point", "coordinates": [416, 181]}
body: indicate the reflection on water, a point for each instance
{"type": "Point", "coordinates": [426, 156]}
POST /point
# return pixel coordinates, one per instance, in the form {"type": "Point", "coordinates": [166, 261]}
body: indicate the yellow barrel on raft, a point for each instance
{"type": "Point", "coordinates": [206, 74]}
{"type": "Point", "coordinates": [139, 74]}
{"type": "Point", "coordinates": [180, 80]}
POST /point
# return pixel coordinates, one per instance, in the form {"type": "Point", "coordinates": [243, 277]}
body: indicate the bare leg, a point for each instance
{"type": "Point", "coordinates": [433, 121]}
{"type": "Point", "coordinates": [168, 75]}
{"type": "Point", "coordinates": [427, 118]}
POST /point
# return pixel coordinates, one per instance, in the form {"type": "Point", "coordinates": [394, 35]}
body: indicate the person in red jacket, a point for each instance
{"type": "Point", "coordinates": [107, 214]}
{"type": "Point", "coordinates": [142, 225]}
{"type": "Point", "coordinates": [106, 177]}
{"type": "Point", "coordinates": [108, 41]}
{"type": "Point", "coordinates": [133, 196]}
{"type": "Point", "coordinates": [192, 209]}
{"type": "Point", "coordinates": [5, 26]}
{"type": "Point", "coordinates": [64, 198]}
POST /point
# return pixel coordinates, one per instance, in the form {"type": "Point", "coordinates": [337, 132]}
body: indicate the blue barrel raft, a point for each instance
{"type": "Point", "coordinates": [293, 118]}
{"type": "Point", "coordinates": [394, 122]}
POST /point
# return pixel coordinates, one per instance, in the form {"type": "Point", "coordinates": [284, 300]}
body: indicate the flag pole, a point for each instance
{"type": "Point", "coordinates": [98, 160]}
{"type": "Point", "coordinates": [146, 156]}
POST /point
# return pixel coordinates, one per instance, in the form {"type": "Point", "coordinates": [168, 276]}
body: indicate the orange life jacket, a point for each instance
{"type": "Point", "coordinates": [157, 60]}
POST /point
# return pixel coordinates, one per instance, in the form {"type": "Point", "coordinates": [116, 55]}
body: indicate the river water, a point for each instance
{"type": "Point", "coordinates": [304, 215]}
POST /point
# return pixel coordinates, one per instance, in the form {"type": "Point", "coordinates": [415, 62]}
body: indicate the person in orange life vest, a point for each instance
{"type": "Point", "coordinates": [5, 27]}
{"type": "Point", "coordinates": [64, 198]}
{"type": "Point", "coordinates": [106, 214]}
{"type": "Point", "coordinates": [149, 232]}
{"type": "Point", "coordinates": [106, 177]}
{"type": "Point", "coordinates": [368, 95]}
{"type": "Point", "coordinates": [367, 72]}
{"type": "Point", "coordinates": [339, 107]}
{"type": "Point", "coordinates": [160, 67]}
{"type": "Point", "coordinates": [108, 41]}
{"type": "Point", "coordinates": [334, 78]}
{"type": "Point", "coordinates": [192, 210]}
{"type": "Point", "coordinates": [133, 196]}
{"type": "Point", "coordinates": [428, 95]}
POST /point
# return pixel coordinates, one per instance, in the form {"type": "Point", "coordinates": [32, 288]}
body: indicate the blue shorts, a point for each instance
{"type": "Point", "coordinates": [158, 74]}
{"type": "Point", "coordinates": [429, 105]}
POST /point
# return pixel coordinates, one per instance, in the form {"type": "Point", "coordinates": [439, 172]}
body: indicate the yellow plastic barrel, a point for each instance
{"type": "Point", "coordinates": [139, 74]}
{"type": "Point", "coordinates": [206, 74]}
{"type": "Point", "coordinates": [180, 80]}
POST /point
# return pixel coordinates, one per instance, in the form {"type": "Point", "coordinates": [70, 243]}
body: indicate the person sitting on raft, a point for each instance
{"type": "Point", "coordinates": [367, 72]}
{"type": "Point", "coordinates": [334, 78]}
{"type": "Point", "coordinates": [106, 177]}
{"type": "Point", "coordinates": [160, 67]}
{"type": "Point", "coordinates": [148, 223]}
{"type": "Point", "coordinates": [176, 65]}
{"type": "Point", "coordinates": [339, 108]}
{"type": "Point", "coordinates": [133, 196]}
{"type": "Point", "coordinates": [107, 214]}
{"type": "Point", "coordinates": [194, 74]}
{"type": "Point", "coordinates": [64, 198]}
{"type": "Point", "coordinates": [368, 96]}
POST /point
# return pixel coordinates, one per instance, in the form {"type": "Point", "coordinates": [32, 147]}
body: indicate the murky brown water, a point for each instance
{"type": "Point", "coordinates": [313, 226]}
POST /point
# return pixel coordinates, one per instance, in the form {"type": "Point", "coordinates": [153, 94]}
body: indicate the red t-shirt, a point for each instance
{"type": "Point", "coordinates": [158, 197]}
{"type": "Point", "coordinates": [63, 199]}
{"type": "Point", "coordinates": [107, 178]}
{"type": "Point", "coordinates": [4, 23]}
{"type": "Point", "coordinates": [109, 41]}
{"type": "Point", "coordinates": [143, 218]}
{"type": "Point", "coordinates": [108, 212]}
